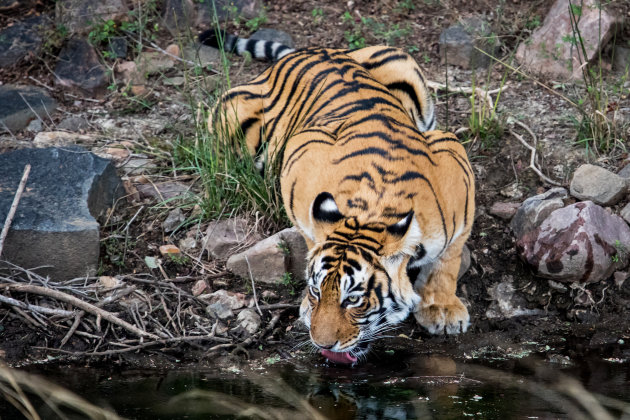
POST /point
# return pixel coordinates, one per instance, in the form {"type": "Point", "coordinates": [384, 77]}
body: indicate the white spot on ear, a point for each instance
{"type": "Point", "coordinates": [329, 206]}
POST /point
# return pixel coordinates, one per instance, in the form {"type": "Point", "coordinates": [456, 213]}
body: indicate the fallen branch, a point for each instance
{"type": "Point", "coordinates": [87, 307]}
{"type": "Point", "coordinates": [34, 308]}
{"type": "Point", "coordinates": [532, 149]}
{"type": "Point", "coordinates": [483, 94]}
{"type": "Point", "coordinates": [13, 208]}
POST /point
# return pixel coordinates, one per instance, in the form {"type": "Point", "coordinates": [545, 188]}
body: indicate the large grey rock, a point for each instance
{"type": "Point", "coordinates": [21, 39]}
{"type": "Point", "coordinates": [179, 15]}
{"type": "Point", "coordinates": [460, 44]}
{"type": "Point", "coordinates": [78, 67]}
{"type": "Point", "coordinates": [274, 35]}
{"type": "Point", "coordinates": [551, 51]}
{"type": "Point", "coordinates": [227, 9]}
{"type": "Point", "coordinates": [226, 237]}
{"type": "Point", "coordinates": [78, 16]}
{"type": "Point", "coordinates": [56, 222]}
{"type": "Point", "coordinates": [20, 104]}
{"type": "Point", "coordinates": [597, 184]}
{"type": "Point", "coordinates": [535, 210]}
{"type": "Point", "coordinates": [581, 242]}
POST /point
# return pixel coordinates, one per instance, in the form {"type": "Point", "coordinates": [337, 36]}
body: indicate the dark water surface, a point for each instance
{"type": "Point", "coordinates": [389, 386]}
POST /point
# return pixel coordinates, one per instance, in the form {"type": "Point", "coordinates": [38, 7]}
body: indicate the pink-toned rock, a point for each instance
{"type": "Point", "coordinates": [199, 287]}
{"type": "Point", "coordinates": [169, 249]}
{"type": "Point", "coordinates": [581, 242]}
{"type": "Point", "coordinates": [551, 50]}
{"type": "Point", "coordinates": [504, 210]}
{"type": "Point", "coordinates": [226, 237]}
{"type": "Point", "coordinates": [229, 299]}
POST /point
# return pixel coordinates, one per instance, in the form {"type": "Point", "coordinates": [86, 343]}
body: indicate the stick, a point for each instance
{"type": "Point", "coordinates": [87, 307]}
{"type": "Point", "coordinates": [532, 149]}
{"type": "Point", "coordinates": [34, 308]}
{"type": "Point", "coordinates": [253, 286]}
{"type": "Point", "coordinates": [16, 200]}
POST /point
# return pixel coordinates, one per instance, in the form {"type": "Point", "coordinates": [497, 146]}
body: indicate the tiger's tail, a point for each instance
{"type": "Point", "coordinates": [260, 49]}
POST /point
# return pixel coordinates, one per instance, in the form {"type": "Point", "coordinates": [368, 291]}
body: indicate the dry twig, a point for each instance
{"type": "Point", "coordinates": [13, 208]}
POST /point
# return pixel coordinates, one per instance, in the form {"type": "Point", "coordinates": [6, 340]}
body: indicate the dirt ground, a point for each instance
{"type": "Point", "coordinates": [569, 324]}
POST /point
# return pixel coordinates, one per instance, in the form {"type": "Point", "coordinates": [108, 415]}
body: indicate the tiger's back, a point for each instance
{"type": "Point", "coordinates": [363, 183]}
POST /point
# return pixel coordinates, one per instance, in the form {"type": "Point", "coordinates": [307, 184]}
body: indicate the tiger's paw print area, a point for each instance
{"type": "Point", "coordinates": [448, 318]}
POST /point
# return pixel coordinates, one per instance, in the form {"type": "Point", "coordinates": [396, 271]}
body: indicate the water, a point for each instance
{"type": "Point", "coordinates": [389, 386]}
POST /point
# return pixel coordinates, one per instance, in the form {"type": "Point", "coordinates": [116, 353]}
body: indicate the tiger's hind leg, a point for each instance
{"type": "Point", "coordinates": [440, 310]}
{"type": "Point", "coordinates": [237, 117]}
{"type": "Point", "coordinates": [401, 75]}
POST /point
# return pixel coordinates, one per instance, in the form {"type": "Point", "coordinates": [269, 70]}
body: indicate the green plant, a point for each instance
{"type": "Point", "coordinates": [284, 247]}
{"type": "Point", "coordinates": [318, 15]}
{"type": "Point", "coordinates": [255, 23]}
{"type": "Point", "coordinates": [289, 282]}
{"type": "Point", "coordinates": [383, 33]}
{"type": "Point", "coordinates": [621, 254]}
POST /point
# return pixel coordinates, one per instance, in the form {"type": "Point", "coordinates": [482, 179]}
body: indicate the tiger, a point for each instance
{"type": "Point", "coordinates": [384, 201]}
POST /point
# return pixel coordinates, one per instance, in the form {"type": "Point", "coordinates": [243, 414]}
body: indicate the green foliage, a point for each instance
{"type": "Point", "coordinates": [255, 23]}
{"type": "Point", "coordinates": [383, 33]}
{"type": "Point", "coordinates": [290, 283]}
{"type": "Point", "coordinates": [318, 15]}
{"type": "Point", "coordinates": [533, 22]}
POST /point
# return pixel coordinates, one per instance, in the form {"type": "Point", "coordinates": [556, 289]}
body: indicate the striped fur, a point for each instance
{"type": "Point", "coordinates": [384, 202]}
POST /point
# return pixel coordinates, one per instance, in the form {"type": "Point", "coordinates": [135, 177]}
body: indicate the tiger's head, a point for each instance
{"type": "Point", "coordinates": [358, 279]}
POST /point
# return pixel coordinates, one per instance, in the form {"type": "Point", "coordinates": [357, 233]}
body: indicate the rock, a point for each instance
{"type": "Point", "coordinates": [266, 261]}
{"type": "Point", "coordinates": [174, 81]}
{"type": "Point", "coordinates": [249, 320]}
{"type": "Point", "coordinates": [116, 152]}
{"type": "Point", "coordinates": [597, 184]}
{"type": "Point", "coordinates": [78, 16]}
{"type": "Point", "coordinates": [504, 211]}
{"type": "Point", "coordinates": [20, 104]}
{"type": "Point", "coordinates": [78, 67]}
{"type": "Point", "coordinates": [199, 287]}
{"type": "Point", "coordinates": [459, 43]}
{"type": "Point", "coordinates": [581, 242]}
{"type": "Point", "coordinates": [128, 72]}
{"type": "Point", "coordinates": [512, 191]}
{"type": "Point", "coordinates": [188, 244]}
{"type": "Point", "coordinates": [117, 47]}
{"type": "Point", "coordinates": [625, 213]}
{"type": "Point", "coordinates": [202, 55]}
{"type": "Point", "coordinates": [506, 302]}
{"type": "Point", "coordinates": [22, 39]}
{"type": "Point", "coordinates": [169, 249]}
{"type": "Point", "coordinates": [109, 282]}
{"type": "Point", "coordinates": [535, 210]}
{"type": "Point", "coordinates": [219, 310]}
{"type": "Point", "coordinates": [621, 59]}
{"type": "Point", "coordinates": [464, 265]}
{"type": "Point", "coordinates": [56, 222]}
{"type": "Point", "coordinates": [149, 63]}
{"type": "Point", "coordinates": [625, 171]}
{"type": "Point", "coordinates": [163, 190]}
{"type": "Point", "coordinates": [274, 35]}
{"type": "Point", "coordinates": [73, 124]}
{"type": "Point", "coordinates": [179, 16]}
{"type": "Point", "coordinates": [620, 277]}
{"type": "Point", "coordinates": [34, 126]}
{"type": "Point", "coordinates": [230, 299]}
{"type": "Point", "coordinates": [62, 138]}
{"type": "Point", "coordinates": [138, 166]}
{"type": "Point", "coordinates": [297, 252]}
{"type": "Point", "coordinates": [227, 9]}
{"type": "Point", "coordinates": [550, 50]}
{"type": "Point", "coordinates": [173, 221]}
{"type": "Point", "coordinates": [225, 237]}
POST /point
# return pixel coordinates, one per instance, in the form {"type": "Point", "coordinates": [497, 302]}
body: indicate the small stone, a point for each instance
{"type": "Point", "coordinates": [460, 44]}
{"type": "Point", "coordinates": [21, 104]}
{"type": "Point", "coordinates": [557, 286]}
{"type": "Point", "coordinates": [118, 47]}
{"type": "Point", "coordinates": [174, 220]}
{"type": "Point", "coordinates": [512, 191]}
{"type": "Point", "coordinates": [597, 184]}
{"type": "Point", "coordinates": [231, 299]}
{"type": "Point", "coordinates": [153, 63]}
{"type": "Point", "coordinates": [560, 360]}
{"type": "Point", "coordinates": [139, 90]}
{"type": "Point", "coordinates": [269, 295]}
{"type": "Point", "coordinates": [535, 210]}
{"type": "Point", "coordinates": [507, 302]}
{"type": "Point", "coordinates": [504, 210]}
{"type": "Point", "coordinates": [625, 212]}
{"type": "Point", "coordinates": [249, 320]}
{"type": "Point", "coordinates": [109, 282]}
{"type": "Point", "coordinates": [173, 50]}
{"type": "Point", "coordinates": [35, 126]}
{"type": "Point", "coordinates": [78, 67]}
{"type": "Point", "coordinates": [188, 244]}
{"type": "Point", "coordinates": [175, 81]}
{"type": "Point", "coordinates": [73, 124]}
{"type": "Point", "coordinates": [128, 72]}
{"type": "Point", "coordinates": [162, 191]}
{"type": "Point", "coordinates": [274, 35]}
{"type": "Point", "coordinates": [219, 310]}
{"type": "Point", "coordinates": [199, 287]}
{"type": "Point", "coordinates": [63, 138]}
{"type": "Point", "coordinates": [225, 237]}
{"type": "Point", "coordinates": [138, 166]}
{"type": "Point", "coordinates": [169, 249]}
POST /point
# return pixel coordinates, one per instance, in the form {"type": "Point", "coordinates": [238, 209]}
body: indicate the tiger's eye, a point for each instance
{"type": "Point", "coordinates": [353, 299]}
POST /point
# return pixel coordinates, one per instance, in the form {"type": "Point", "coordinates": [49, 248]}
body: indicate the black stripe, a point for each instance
{"type": "Point", "coordinates": [280, 50]}
{"type": "Point", "coordinates": [398, 144]}
{"type": "Point", "coordinates": [292, 200]}
{"type": "Point", "coordinates": [384, 51]}
{"type": "Point", "coordinates": [269, 50]}
{"type": "Point", "coordinates": [368, 151]}
{"type": "Point", "coordinates": [386, 60]}
{"type": "Point", "coordinates": [411, 92]}
{"type": "Point", "coordinates": [250, 46]}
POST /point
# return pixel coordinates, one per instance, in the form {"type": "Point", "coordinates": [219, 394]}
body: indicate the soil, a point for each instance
{"type": "Point", "coordinates": [572, 322]}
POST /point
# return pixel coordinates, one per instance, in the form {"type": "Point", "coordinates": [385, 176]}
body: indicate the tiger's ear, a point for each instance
{"type": "Point", "coordinates": [325, 209]}
{"type": "Point", "coordinates": [401, 227]}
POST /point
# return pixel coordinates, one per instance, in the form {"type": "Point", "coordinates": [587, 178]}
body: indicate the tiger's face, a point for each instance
{"type": "Point", "coordinates": [358, 283]}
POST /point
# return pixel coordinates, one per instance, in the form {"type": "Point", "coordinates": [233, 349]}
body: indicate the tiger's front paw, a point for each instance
{"type": "Point", "coordinates": [437, 318]}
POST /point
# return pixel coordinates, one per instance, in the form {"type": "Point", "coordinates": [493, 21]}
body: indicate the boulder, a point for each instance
{"type": "Point", "coordinates": [578, 243]}
{"type": "Point", "coordinates": [597, 184]}
{"type": "Point", "coordinates": [20, 104]}
{"type": "Point", "coordinates": [551, 49]}
{"type": "Point", "coordinates": [22, 39]}
{"type": "Point", "coordinates": [78, 16]}
{"type": "Point", "coordinates": [55, 225]}
{"type": "Point", "coordinates": [625, 212]}
{"type": "Point", "coordinates": [535, 210]}
{"type": "Point", "coordinates": [78, 67]}
{"type": "Point", "coordinates": [460, 44]}
{"type": "Point", "coordinates": [179, 16]}
{"type": "Point", "coordinates": [227, 9]}
{"type": "Point", "coordinates": [248, 320]}
{"type": "Point", "coordinates": [226, 237]}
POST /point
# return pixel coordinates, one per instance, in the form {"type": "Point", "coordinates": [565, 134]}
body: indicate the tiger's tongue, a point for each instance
{"type": "Point", "coordinates": [339, 357]}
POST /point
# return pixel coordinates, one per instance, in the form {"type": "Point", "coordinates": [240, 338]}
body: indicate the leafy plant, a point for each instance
{"type": "Point", "coordinates": [289, 282]}
{"type": "Point", "coordinates": [318, 15]}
